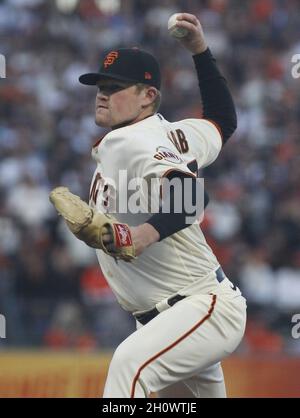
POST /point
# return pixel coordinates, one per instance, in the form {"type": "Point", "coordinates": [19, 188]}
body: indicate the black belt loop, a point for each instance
{"type": "Point", "coordinates": [175, 299]}
{"type": "Point", "coordinates": [144, 318]}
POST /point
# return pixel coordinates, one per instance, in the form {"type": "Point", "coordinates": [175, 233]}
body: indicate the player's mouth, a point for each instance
{"type": "Point", "coordinates": [101, 107]}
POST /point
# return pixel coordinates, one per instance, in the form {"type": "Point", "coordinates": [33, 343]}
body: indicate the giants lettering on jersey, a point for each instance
{"type": "Point", "coordinates": [106, 192]}
{"type": "Point", "coordinates": [95, 188]}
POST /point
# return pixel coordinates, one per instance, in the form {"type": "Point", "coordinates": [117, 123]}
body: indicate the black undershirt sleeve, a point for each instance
{"type": "Point", "coordinates": [171, 222]}
{"type": "Point", "coordinates": [217, 101]}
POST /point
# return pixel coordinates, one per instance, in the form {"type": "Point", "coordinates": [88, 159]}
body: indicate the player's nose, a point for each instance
{"type": "Point", "coordinates": [102, 95]}
{"type": "Point", "coordinates": [101, 100]}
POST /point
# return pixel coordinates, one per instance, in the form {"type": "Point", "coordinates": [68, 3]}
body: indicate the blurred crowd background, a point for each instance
{"type": "Point", "coordinates": [52, 292]}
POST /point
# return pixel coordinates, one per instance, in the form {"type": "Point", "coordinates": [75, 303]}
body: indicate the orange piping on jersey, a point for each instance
{"type": "Point", "coordinates": [216, 126]}
{"type": "Point", "coordinates": [170, 171]}
{"type": "Point", "coordinates": [99, 140]}
{"type": "Point", "coordinates": [207, 316]}
{"type": "Point", "coordinates": [176, 169]}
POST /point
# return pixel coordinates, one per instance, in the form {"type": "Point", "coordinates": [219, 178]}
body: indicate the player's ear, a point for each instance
{"type": "Point", "coordinates": [150, 95]}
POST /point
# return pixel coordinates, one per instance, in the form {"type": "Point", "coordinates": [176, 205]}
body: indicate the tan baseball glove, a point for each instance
{"type": "Point", "coordinates": [97, 230]}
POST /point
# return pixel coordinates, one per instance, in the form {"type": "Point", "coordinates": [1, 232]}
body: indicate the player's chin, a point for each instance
{"type": "Point", "coordinates": [101, 119]}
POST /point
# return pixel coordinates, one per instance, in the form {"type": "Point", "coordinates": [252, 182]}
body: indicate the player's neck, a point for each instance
{"type": "Point", "coordinates": [141, 116]}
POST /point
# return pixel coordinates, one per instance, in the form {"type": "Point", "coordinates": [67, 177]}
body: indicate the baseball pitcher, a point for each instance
{"type": "Point", "coordinates": [189, 315]}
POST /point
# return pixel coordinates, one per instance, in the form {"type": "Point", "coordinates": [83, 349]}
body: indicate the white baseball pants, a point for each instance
{"type": "Point", "coordinates": [179, 351]}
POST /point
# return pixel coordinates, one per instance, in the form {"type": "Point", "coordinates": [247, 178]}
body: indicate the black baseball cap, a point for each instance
{"type": "Point", "coordinates": [126, 64]}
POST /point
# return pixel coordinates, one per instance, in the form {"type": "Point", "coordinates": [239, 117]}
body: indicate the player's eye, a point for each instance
{"type": "Point", "coordinates": [112, 88]}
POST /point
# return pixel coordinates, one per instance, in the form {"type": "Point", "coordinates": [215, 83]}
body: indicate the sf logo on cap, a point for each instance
{"type": "Point", "coordinates": [110, 58]}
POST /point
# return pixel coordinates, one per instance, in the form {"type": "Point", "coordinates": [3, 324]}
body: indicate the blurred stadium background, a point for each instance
{"type": "Point", "coordinates": [62, 321]}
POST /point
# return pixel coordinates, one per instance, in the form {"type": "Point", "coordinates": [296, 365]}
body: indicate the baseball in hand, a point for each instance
{"type": "Point", "coordinates": [174, 30]}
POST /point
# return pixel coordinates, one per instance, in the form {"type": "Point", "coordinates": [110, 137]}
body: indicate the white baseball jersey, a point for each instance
{"type": "Point", "coordinates": [150, 149]}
